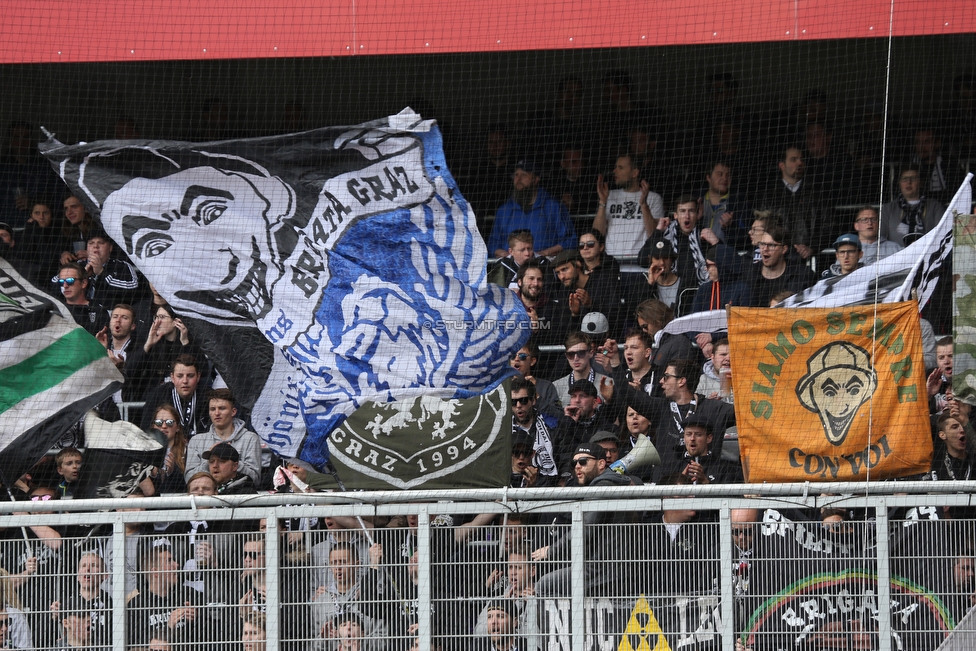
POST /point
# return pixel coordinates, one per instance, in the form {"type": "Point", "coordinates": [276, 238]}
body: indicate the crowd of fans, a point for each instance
{"type": "Point", "coordinates": [726, 230]}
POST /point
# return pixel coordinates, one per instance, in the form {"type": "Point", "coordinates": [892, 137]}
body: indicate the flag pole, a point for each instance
{"type": "Point", "coordinates": [342, 487]}
{"type": "Point", "coordinates": [23, 530]}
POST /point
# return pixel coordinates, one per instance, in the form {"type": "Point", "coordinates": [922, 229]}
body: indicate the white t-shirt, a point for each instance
{"type": "Point", "coordinates": [625, 224]}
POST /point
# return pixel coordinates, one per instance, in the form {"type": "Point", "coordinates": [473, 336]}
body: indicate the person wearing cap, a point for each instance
{"type": "Point", "coordinates": [579, 355]}
{"type": "Point", "coordinates": [602, 571]}
{"type": "Point", "coordinates": [583, 417]}
{"type": "Point", "coordinates": [867, 225]}
{"type": "Point", "coordinates": [223, 461]}
{"type": "Point", "coordinates": [610, 443]}
{"type": "Point", "coordinates": [848, 250]}
{"type": "Point", "coordinates": [695, 460]}
{"type": "Point", "coordinates": [628, 214]}
{"type": "Point", "coordinates": [533, 453]}
{"type": "Point", "coordinates": [501, 625]}
{"type": "Point", "coordinates": [225, 428]}
{"type": "Point", "coordinates": [531, 207]}
{"type": "Point", "coordinates": [688, 238]}
{"type": "Point", "coordinates": [658, 257]}
{"type": "Point", "coordinates": [569, 301]}
{"type": "Point", "coordinates": [110, 280]}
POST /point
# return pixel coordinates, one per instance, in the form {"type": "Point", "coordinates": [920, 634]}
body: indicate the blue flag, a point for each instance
{"type": "Point", "coordinates": [319, 270]}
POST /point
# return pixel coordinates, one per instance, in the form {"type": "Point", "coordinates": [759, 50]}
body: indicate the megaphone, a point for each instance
{"type": "Point", "coordinates": [644, 453]}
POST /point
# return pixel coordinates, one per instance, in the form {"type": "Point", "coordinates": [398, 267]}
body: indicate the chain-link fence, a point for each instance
{"type": "Point", "coordinates": [639, 569]}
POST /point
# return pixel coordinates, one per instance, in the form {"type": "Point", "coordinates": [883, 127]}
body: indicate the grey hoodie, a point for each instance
{"type": "Point", "coordinates": [246, 442]}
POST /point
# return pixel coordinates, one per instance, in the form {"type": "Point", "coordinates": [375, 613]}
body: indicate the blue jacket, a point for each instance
{"type": "Point", "coordinates": [548, 220]}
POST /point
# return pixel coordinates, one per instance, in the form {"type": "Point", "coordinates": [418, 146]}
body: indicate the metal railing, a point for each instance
{"type": "Point", "coordinates": [630, 573]}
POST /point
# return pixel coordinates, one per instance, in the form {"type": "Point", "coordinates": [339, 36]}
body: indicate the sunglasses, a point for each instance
{"type": "Point", "coordinates": [253, 555]}
{"type": "Point", "coordinates": [587, 245]}
{"type": "Point", "coordinates": [519, 356]}
{"type": "Point", "coordinates": [575, 354]}
{"type": "Point", "coordinates": [67, 281]}
{"type": "Point", "coordinates": [159, 422]}
{"type": "Point", "coordinates": [524, 400]}
{"type": "Point", "coordinates": [582, 461]}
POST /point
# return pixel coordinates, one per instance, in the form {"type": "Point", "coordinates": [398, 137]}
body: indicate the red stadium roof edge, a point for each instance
{"type": "Point", "coordinates": [50, 31]}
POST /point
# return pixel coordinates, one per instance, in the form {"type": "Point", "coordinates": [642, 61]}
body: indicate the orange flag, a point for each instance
{"type": "Point", "coordinates": [830, 394]}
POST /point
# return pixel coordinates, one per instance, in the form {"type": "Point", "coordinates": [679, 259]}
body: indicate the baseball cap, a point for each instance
{"type": "Point", "coordinates": [295, 461]}
{"type": "Point", "coordinates": [564, 256]}
{"type": "Point", "coordinates": [521, 439]}
{"type": "Point", "coordinates": [527, 165]}
{"type": "Point", "coordinates": [97, 232]}
{"type": "Point", "coordinates": [591, 449]}
{"type": "Point", "coordinates": [224, 451]}
{"type": "Point", "coordinates": [700, 422]}
{"type": "Point", "coordinates": [661, 249]}
{"type": "Point", "coordinates": [584, 386]}
{"type": "Point", "coordinates": [848, 238]}
{"type": "Point", "coordinates": [604, 435]}
{"type": "Point", "coordinates": [505, 605]}
{"type": "Point", "coordinates": [595, 323]}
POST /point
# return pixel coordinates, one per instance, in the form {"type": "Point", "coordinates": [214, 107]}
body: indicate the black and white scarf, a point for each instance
{"type": "Point", "coordinates": [694, 243]}
{"type": "Point", "coordinates": [544, 457]}
{"type": "Point", "coordinates": [186, 412]}
{"type": "Point", "coordinates": [912, 216]}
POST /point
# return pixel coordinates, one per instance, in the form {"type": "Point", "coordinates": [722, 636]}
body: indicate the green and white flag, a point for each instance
{"type": "Point", "coordinates": [51, 373]}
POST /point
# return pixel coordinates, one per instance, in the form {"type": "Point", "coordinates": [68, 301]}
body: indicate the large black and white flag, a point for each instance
{"type": "Point", "coordinates": [892, 279]}
{"type": "Point", "coordinates": [319, 270]}
{"type": "Point", "coordinates": [51, 373]}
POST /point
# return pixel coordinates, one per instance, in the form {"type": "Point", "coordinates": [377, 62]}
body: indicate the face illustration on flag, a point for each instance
{"type": "Point", "coordinates": [172, 222]}
{"type": "Point", "coordinates": [830, 394]}
{"type": "Point", "coordinates": [839, 380]}
{"type": "Point", "coordinates": [350, 250]}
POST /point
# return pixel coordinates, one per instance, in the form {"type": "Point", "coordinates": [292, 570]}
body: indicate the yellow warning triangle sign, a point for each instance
{"type": "Point", "coordinates": [643, 633]}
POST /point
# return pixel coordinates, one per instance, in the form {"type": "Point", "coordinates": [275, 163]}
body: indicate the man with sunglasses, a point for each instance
{"type": "Point", "coordinates": [602, 571]}
{"type": "Point", "coordinates": [536, 462]}
{"type": "Point", "coordinates": [547, 398]}
{"type": "Point", "coordinates": [184, 391]}
{"type": "Point", "coordinates": [579, 355]}
{"type": "Point", "coordinates": [73, 283]}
